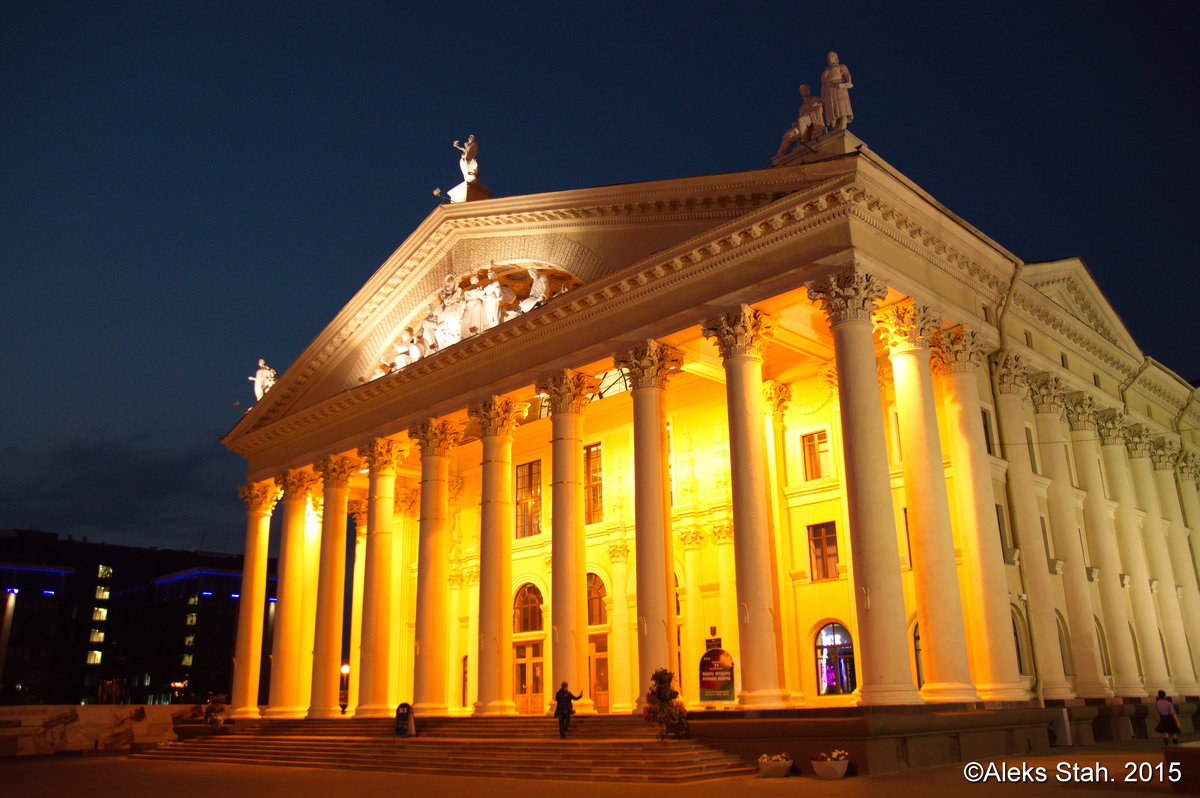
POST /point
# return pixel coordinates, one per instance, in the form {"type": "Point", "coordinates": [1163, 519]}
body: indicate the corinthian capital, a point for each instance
{"type": "Point", "coordinates": [1111, 425]}
{"type": "Point", "coordinates": [498, 415]}
{"type": "Point", "coordinates": [907, 326]}
{"type": "Point", "coordinates": [1046, 391]}
{"type": "Point", "coordinates": [956, 349]}
{"type": "Point", "coordinates": [691, 537]}
{"type": "Point", "coordinates": [1137, 441]}
{"type": "Point", "coordinates": [1189, 469]}
{"type": "Point", "coordinates": [618, 551]}
{"type": "Point", "coordinates": [849, 295]}
{"type": "Point", "coordinates": [649, 364]}
{"type": "Point", "coordinates": [568, 391]}
{"type": "Point", "coordinates": [1081, 410]}
{"type": "Point", "coordinates": [778, 395]}
{"type": "Point", "coordinates": [405, 502]}
{"type": "Point", "coordinates": [296, 483]}
{"type": "Point", "coordinates": [744, 331]}
{"type": "Point", "coordinates": [260, 497]}
{"type": "Point", "coordinates": [437, 437]}
{"type": "Point", "coordinates": [1164, 452]}
{"type": "Point", "coordinates": [1011, 374]}
{"type": "Point", "coordinates": [336, 469]}
{"type": "Point", "coordinates": [358, 510]}
{"type": "Point", "coordinates": [384, 454]}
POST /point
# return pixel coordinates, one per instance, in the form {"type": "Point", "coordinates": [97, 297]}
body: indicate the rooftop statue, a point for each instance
{"type": "Point", "coordinates": [263, 379]}
{"type": "Point", "coordinates": [468, 163]}
{"type": "Point", "coordinates": [809, 125]}
{"type": "Point", "coordinates": [835, 89]}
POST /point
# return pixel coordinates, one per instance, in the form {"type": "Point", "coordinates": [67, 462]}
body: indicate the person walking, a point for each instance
{"type": "Point", "coordinates": [1168, 719]}
{"type": "Point", "coordinates": [563, 709]}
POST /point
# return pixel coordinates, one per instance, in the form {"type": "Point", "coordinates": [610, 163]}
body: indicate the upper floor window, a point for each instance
{"type": "Point", "coordinates": [593, 486]}
{"type": "Point", "coordinates": [191, 619]}
{"type": "Point", "coordinates": [529, 499]}
{"type": "Point", "coordinates": [99, 613]}
{"type": "Point", "coordinates": [527, 609]}
{"type": "Point", "coordinates": [104, 572]}
{"type": "Point", "coordinates": [101, 592]}
{"type": "Point", "coordinates": [93, 657]}
{"type": "Point", "coordinates": [96, 636]}
{"type": "Point", "coordinates": [822, 550]}
{"type": "Point", "coordinates": [815, 449]}
{"type": "Point", "coordinates": [597, 615]}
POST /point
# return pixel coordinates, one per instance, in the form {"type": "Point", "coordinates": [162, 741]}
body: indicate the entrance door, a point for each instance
{"type": "Point", "coordinates": [598, 670]}
{"type": "Point", "coordinates": [528, 693]}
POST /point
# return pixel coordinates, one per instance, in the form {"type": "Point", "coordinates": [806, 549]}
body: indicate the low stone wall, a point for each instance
{"type": "Point", "coordinates": [879, 740]}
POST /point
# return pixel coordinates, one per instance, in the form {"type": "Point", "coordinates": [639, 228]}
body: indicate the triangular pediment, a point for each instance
{"type": "Point", "coordinates": [1069, 285]}
{"type": "Point", "coordinates": [580, 235]}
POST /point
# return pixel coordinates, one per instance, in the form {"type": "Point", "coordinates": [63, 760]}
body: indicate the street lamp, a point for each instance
{"type": "Point", "coordinates": [344, 693]}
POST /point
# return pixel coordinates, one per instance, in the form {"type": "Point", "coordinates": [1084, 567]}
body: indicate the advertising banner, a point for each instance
{"type": "Point", "coordinates": [716, 676]}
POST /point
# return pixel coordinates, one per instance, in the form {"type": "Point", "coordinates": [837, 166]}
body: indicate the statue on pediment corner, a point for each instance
{"type": "Point", "coordinates": [808, 127]}
{"type": "Point", "coordinates": [263, 379]}
{"type": "Point", "coordinates": [835, 91]}
{"type": "Point", "coordinates": [468, 163]}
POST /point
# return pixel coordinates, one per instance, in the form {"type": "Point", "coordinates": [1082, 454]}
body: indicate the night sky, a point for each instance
{"type": "Point", "coordinates": [187, 187]}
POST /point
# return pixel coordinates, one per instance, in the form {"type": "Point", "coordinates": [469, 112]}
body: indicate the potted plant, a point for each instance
{"type": "Point", "coordinates": [832, 765]}
{"type": "Point", "coordinates": [774, 766]}
{"type": "Point", "coordinates": [664, 707]}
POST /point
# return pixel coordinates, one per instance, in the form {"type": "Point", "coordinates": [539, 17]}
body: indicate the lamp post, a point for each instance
{"type": "Point", "coordinates": [344, 692]}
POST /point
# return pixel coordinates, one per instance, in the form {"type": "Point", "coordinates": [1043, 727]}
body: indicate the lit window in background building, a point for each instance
{"type": "Point", "coordinates": [101, 593]}
{"type": "Point", "coordinates": [99, 614]}
{"type": "Point", "coordinates": [96, 636]}
{"type": "Point", "coordinates": [191, 619]}
{"type": "Point", "coordinates": [93, 658]}
{"type": "Point", "coordinates": [104, 572]}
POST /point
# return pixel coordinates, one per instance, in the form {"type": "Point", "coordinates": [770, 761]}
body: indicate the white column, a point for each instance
{"type": "Point", "coordinates": [374, 669]}
{"type": "Point", "coordinates": [1165, 454]}
{"type": "Point", "coordinates": [288, 698]}
{"type": "Point", "coordinates": [437, 439]}
{"type": "Point", "coordinates": [471, 574]}
{"type": "Point", "coordinates": [905, 329]}
{"type": "Point", "coordinates": [693, 632]}
{"type": "Point", "coordinates": [260, 498]}
{"type": "Point", "coordinates": [454, 655]}
{"type": "Point", "coordinates": [1101, 537]}
{"type": "Point", "coordinates": [1158, 558]}
{"type": "Point", "coordinates": [848, 299]}
{"type": "Point", "coordinates": [1111, 425]}
{"type": "Point", "coordinates": [1047, 393]}
{"type": "Point", "coordinates": [1189, 476]}
{"type": "Point", "coordinates": [989, 627]}
{"type": "Point", "coordinates": [498, 417]}
{"type": "Point", "coordinates": [648, 366]}
{"type": "Point", "coordinates": [727, 580]}
{"type": "Point", "coordinates": [740, 336]}
{"type": "Point", "coordinates": [621, 692]}
{"type": "Point", "coordinates": [568, 392]}
{"type": "Point", "coordinates": [777, 396]}
{"type": "Point", "coordinates": [359, 512]}
{"type": "Point", "coordinates": [313, 521]}
{"type": "Point", "coordinates": [1012, 385]}
{"type": "Point", "coordinates": [335, 471]}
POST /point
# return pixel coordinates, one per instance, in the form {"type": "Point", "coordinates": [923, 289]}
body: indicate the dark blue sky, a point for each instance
{"type": "Point", "coordinates": [187, 187]}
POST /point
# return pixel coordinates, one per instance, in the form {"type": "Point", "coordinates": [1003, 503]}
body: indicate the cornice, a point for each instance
{"type": "Point", "coordinates": [1045, 311]}
{"type": "Point", "coordinates": [1093, 316]}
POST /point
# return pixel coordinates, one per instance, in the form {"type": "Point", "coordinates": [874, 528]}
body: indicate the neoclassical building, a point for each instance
{"type": "Point", "coordinates": [805, 415]}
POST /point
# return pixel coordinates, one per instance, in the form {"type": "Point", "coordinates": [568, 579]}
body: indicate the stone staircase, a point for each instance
{"type": "Point", "coordinates": [599, 748]}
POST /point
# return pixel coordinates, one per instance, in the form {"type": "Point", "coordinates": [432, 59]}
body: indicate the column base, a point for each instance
{"type": "Point", "coordinates": [948, 692]}
{"type": "Point", "coordinates": [245, 713]}
{"type": "Point", "coordinates": [315, 713]}
{"type": "Point", "coordinates": [1058, 690]}
{"type": "Point", "coordinates": [887, 694]}
{"type": "Point", "coordinates": [285, 713]}
{"type": "Point", "coordinates": [373, 711]}
{"type": "Point", "coordinates": [435, 710]}
{"type": "Point", "coordinates": [1130, 689]}
{"type": "Point", "coordinates": [495, 709]}
{"type": "Point", "coordinates": [585, 706]}
{"type": "Point", "coordinates": [623, 709]}
{"type": "Point", "coordinates": [1185, 688]}
{"type": "Point", "coordinates": [1094, 691]}
{"type": "Point", "coordinates": [764, 699]}
{"type": "Point", "coordinates": [1003, 691]}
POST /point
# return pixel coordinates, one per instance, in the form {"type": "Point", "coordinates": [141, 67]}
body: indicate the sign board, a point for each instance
{"type": "Point", "coordinates": [716, 676]}
{"type": "Point", "coordinates": [711, 643]}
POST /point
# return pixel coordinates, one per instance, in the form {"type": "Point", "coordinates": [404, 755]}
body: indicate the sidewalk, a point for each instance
{"type": "Point", "coordinates": [117, 777]}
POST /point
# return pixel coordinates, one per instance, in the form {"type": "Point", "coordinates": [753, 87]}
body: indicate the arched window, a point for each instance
{"type": "Point", "coordinates": [835, 660]}
{"type": "Point", "coordinates": [1064, 648]}
{"type": "Point", "coordinates": [527, 609]}
{"type": "Point", "coordinates": [597, 616]}
{"type": "Point", "coordinates": [1103, 643]}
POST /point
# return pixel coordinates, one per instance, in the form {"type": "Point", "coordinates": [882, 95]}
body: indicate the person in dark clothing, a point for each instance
{"type": "Point", "coordinates": [563, 709]}
{"type": "Point", "coordinates": [1168, 719]}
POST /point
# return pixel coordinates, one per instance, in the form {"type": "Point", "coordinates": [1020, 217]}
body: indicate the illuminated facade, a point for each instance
{"type": "Point", "coordinates": [806, 410]}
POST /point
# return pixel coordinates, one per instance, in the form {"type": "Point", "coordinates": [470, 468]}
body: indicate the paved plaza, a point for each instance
{"type": "Point", "coordinates": [118, 776]}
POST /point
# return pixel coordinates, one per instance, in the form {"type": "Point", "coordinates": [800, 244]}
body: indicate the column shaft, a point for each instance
{"type": "Point", "coordinates": [353, 678]}
{"type": "Point", "coordinates": [260, 499]}
{"type": "Point", "coordinates": [1165, 454]}
{"type": "Point", "coordinates": [331, 588]}
{"type": "Point", "coordinates": [288, 698]}
{"type": "Point", "coordinates": [375, 685]}
{"type": "Point", "coordinates": [621, 692]}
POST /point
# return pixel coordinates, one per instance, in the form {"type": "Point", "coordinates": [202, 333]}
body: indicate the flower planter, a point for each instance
{"type": "Point", "coordinates": [775, 769]}
{"type": "Point", "coordinates": [830, 768]}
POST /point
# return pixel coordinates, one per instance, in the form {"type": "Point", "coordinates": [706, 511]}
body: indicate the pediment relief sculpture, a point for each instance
{"type": "Point", "coordinates": [470, 304]}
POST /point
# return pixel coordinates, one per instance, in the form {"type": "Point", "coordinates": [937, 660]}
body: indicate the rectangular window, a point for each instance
{"type": "Point", "coordinates": [1062, 358]}
{"type": "Point", "coordinates": [593, 486]}
{"type": "Point", "coordinates": [96, 636]}
{"type": "Point", "coordinates": [1033, 460]}
{"type": "Point", "coordinates": [193, 600]}
{"type": "Point", "coordinates": [99, 614]}
{"type": "Point", "coordinates": [815, 447]}
{"type": "Point", "coordinates": [896, 436]}
{"type": "Point", "coordinates": [1046, 536]}
{"type": "Point", "coordinates": [822, 549]}
{"type": "Point", "coordinates": [186, 661]}
{"type": "Point", "coordinates": [907, 538]}
{"type": "Point", "coordinates": [1003, 527]}
{"type": "Point", "coordinates": [529, 499]}
{"type": "Point", "coordinates": [1028, 339]}
{"type": "Point", "coordinates": [1095, 379]}
{"type": "Point", "coordinates": [104, 572]}
{"type": "Point", "coordinates": [987, 314]}
{"type": "Point", "coordinates": [1070, 453]}
{"type": "Point", "coordinates": [189, 640]}
{"type": "Point", "coordinates": [101, 593]}
{"type": "Point", "coordinates": [93, 657]}
{"type": "Point", "coordinates": [191, 619]}
{"type": "Point", "coordinates": [989, 442]}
